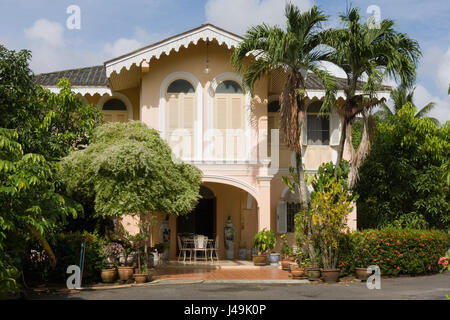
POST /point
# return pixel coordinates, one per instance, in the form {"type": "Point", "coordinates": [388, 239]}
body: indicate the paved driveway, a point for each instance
{"type": "Point", "coordinates": [424, 287]}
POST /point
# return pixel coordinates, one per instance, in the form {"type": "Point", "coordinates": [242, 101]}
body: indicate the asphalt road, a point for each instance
{"type": "Point", "coordinates": [433, 287]}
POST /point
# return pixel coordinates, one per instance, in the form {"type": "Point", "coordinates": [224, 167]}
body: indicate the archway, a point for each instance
{"type": "Point", "coordinates": [201, 220]}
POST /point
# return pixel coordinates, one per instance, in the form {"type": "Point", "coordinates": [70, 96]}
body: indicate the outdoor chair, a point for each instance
{"type": "Point", "coordinates": [200, 244]}
{"type": "Point", "coordinates": [183, 250]}
{"type": "Point", "coordinates": [214, 249]}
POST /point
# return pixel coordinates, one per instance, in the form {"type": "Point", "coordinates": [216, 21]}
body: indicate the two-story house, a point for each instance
{"type": "Point", "coordinates": [185, 87]}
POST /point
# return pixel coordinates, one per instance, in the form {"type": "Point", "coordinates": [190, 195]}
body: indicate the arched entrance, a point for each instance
{"type": "Point", "coordinates": [202, 220]}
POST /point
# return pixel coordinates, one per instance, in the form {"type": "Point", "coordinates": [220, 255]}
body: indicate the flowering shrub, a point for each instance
{"type": "Point", "coordinates": [113, 250]}
{"type": "Point", "coordinates": [395, 251]}
{"type": "Point", "coordinates": [443, 262]}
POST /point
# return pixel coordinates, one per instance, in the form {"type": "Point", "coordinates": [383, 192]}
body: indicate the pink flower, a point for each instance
{"type": "Point", "coordinates": [443, 260]}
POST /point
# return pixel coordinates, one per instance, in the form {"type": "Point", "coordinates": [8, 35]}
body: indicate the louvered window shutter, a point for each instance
{"type": "Point", "coordinates": [304, 132]}
{"type": "Point", "coordinates": [335, 129]}
{"type": "Point", "coordinates": [281, 216]}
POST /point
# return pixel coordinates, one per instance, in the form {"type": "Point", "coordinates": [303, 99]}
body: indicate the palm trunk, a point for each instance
{"type": "Point", "coordinates": [362, 152]}
{"type": "Point", "coordinates": [341, 144]}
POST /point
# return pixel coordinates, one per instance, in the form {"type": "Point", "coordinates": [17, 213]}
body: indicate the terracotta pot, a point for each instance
{"type": "Point", "coordinates": [292, 266]}
{"type": "Point", "coordinates": [361, 274]}
{"type": "Point", "coordinates": [330, 275]}
{"type": "Point", "coordinates": [291, 258]}
{"type": "Point", "coordinates": [140, 277]}
{"type": "Point", "coordinates": [312, 273]}
{"type": "Point", "coordinates": [108, 275]}
{"type": "Point", "coordinates": [259, 260]}
{"type": "Point", "coordinates": [125, 273]}
{"type": "Point", "coordinates": [298, 273]}
{"type": "Point", "coordinates": [285, 264]}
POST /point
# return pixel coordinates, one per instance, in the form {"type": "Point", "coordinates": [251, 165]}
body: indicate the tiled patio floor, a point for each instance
{"type": "Point", "coordinates": [222, 270]}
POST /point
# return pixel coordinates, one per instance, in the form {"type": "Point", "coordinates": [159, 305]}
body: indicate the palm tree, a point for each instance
{"type": "Point", "coordinates": [401, 96]}
{"type": "Point", "coordinates": [372, 53]}
{"type": "Point", "coordinates": [296, 50]}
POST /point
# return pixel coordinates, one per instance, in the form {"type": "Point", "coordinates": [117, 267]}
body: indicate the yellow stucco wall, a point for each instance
{"type": "Point", "coordinates": [231, 197]}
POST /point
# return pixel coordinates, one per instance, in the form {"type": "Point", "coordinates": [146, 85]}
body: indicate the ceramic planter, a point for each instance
{"type": "Point", "coordinates": [361, 274]}
{"type": "Point", "coordinates": [274, 259]}
{"type": "Point", "coordinates": [330, 275]}
{"type": "Point", "coordinates": [108, 275]}
{"type": "Point", "coordinates": [140, 277]}
{"type": "Point", "coordinates": [313, 274]}
{"type": "Point", "coordinates": [259, 260]}
{"type": "Point", "coordinates": [125, 273]}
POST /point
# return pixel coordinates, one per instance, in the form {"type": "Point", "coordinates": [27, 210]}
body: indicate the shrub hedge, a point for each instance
{"type": "Point", "coordinates": [395, 251]}
{"type": "Point", "coordinates": [66, 247]}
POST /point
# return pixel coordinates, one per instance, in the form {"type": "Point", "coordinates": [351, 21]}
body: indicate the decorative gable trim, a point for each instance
{"type": "Point", "coordinates": [204, 32]}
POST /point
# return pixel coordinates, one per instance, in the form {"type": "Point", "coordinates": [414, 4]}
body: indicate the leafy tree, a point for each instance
{"type": "Point", "coordinates": [31, 208]}
{"type": "Point", "coordinates": [361, 50]}
{"type": "Point", "coordinates": [401, 96]}
{"type": "Point", "coordinates": [37, 128]}
{"type": "Point", "coordinates": [297, 51]}
{"type": "Point", "coordinates": [403, 181]}
{"type": "Point", "coordinates": [47, 123]}
{"type": "Point", "coordinates": [128, 169]}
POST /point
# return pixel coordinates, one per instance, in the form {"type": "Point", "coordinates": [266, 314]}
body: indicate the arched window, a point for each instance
{"type": "Point", "coordinates": [180, 86]}
{"type": "Point", "coordinates": [114, 110]}
{"type": "Point", "coordinates": [229, 86]}
{"type": "Point", "coordinates": [181, 106]}
{"type": "Point", "coordinates": [318, 126]}
{"type": "Point", "coordinates": [114, 105]}
{"type": "Point", "coordinates": [229, 121]}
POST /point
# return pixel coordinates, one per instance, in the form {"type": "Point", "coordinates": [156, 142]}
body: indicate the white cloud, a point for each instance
{"type": "Point", "coordinates": [238, 15]}
{"type": "Point", "coordinates": [124, 45]}
{"type": "Point", "coordinates": [436, 63]}
{"type": "Point", "coordinates": [442, 109]}
{"type": "Point", "coordinates": [50, 51]}
{"type": "Point", "coordinates": [121, 46]}
{"type": "Point", "coordinates": [50, 33]}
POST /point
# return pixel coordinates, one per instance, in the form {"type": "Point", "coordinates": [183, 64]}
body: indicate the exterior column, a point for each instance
{"type": "Point", "coordinates": [351, 219]}
{"type": "Point", "coordinates": [264, 215]}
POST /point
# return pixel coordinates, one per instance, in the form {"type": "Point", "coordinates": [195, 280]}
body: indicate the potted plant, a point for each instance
{"type": "Point", "coordinates": [330, 208]}
{"type": "Point", "coordinates": [286, 252]}
{"type": "Point", "coordinates": [298, 269]}
{"type": "Point", "coordinates": [362, 259]}
{"type": "Point", "coordinates": [125, 269]}
{"type": "Point", "coordinates": [140, 244]}
{"type": "Point", "coordinates": [111, 252]}
{"type": "Point", "coordinates": [243, 250]}
{"type": "Point", "coordinates": [263, 242]}
{"type": "Point", "coordinates": [163, 249]}
{"type": "Point", "coordinates": [312, 270]}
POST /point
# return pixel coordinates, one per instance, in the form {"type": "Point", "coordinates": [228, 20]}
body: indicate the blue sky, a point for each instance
{"type": "Point", "coordinates": [110, 28]}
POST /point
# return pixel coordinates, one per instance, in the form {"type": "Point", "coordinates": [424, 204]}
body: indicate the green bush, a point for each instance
{"type": "Point", "coordinates": [66, 247]}
{"type": "Point", "coordinates": [264, 241]}
{"type": "Point", "coordinates": [395, 251]}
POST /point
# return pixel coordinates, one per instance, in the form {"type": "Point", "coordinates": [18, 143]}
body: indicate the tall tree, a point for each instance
{"type": "Point", "coordinates": [400, 96]}
{"type": "Point", "coordinates": [296, 50]}
{"type": "Point", "coordinates": [128, 169]}
{"type": "Point", "coordinates": [367, 52]}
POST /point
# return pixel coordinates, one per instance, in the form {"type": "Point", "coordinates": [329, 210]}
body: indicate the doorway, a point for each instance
{"type": "Point", "coordinates": [201, 220]}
